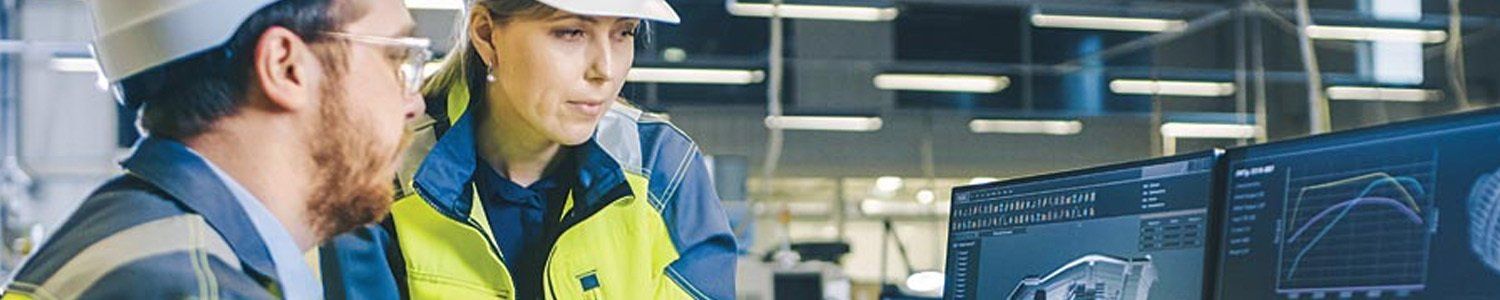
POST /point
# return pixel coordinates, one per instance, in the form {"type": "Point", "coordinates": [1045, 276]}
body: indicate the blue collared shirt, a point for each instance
{"type": "Point", "coordinates": [517, 217]}
{"type": "Point", "coordinates": [295, 277]}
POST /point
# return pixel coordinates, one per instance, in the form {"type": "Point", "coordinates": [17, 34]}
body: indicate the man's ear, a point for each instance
{"type": "Point", "coordinates": [286, 69]}
{"type": "Point", "coordinates": [481, 33]}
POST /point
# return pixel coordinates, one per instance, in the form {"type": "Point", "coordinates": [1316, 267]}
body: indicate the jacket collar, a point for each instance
{"type": "Point", "coordinates": [187, 178]}
{"type": "Point", "coordinates": [444, 177]}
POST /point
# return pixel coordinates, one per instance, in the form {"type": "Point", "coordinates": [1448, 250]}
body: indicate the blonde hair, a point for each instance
{"type": "Point", "coordinates": [462, 63]}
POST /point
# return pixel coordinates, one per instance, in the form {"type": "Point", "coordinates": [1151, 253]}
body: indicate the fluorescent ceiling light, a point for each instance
{"type": "Point", "coordinates": [435, 4]}
{"type": "Point", "coordinates": [1107, 23]}
{"type": "Point", "coordinates": [942, 82]}
{"type": "Point", "coordinates": [1207, 130]}
{"type": "Point", "coordinates": [824, 123]}
{"type": "Point", "coordinates": [819, 12]}
{"type": "Point", "coordinates": [696, 76]}
{"type": "Point", "coordinates": [1171, 88]}
{"type": "Point", "coordinates": [1371, 34]}
{"type": "Point", "coordinates": [1383, 94]}
{"type": "Point", "coordinates": [75, 65]}
{"type": "Point", "coordinates": [888, 183]}
{"type": "Point", "coordinates": [1051, 127]}
{"type": "Point", "coordinates": [926, 196]}
{"type": "Point", "coordinates": [982, 180]}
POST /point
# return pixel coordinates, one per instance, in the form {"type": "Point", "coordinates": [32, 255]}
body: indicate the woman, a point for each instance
{"type": "Point", "coordinates": [537, 184]}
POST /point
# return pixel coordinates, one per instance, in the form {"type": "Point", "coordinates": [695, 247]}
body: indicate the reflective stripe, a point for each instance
{"type": "Point", "coordinates": [620, 136]}
{"type": "Point", "coordinates": [180, 233]}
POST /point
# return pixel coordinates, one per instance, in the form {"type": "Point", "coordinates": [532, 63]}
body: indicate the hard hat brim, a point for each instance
{"type": "Point", "coordinates": [654, 10]}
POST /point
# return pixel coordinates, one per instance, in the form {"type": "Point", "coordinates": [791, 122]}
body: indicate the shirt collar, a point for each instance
{"type": "Point", "coordinates": [492, 185]}
{"type": "Point", "coordinates": [294, 275]}
{"type": "Point", "coordinates": [187, 178]}
{"type": "Point", "coordinates": [446, 172]}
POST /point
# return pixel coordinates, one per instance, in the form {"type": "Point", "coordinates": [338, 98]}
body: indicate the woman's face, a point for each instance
{"type": "Point", "coordinates": [555, 76]}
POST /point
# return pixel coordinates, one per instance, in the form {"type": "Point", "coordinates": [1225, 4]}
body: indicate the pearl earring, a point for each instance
{"type": "Point", "coordinates": [489, 74]}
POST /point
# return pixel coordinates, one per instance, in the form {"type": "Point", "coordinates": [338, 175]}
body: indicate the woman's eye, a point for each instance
{"type": "Point", "coordinates": [568, 33]}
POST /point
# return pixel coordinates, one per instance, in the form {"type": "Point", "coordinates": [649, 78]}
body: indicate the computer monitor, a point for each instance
{"type": "Point", "coordinates": [1405, 211]}
{"type": "Point", "coordinates": [1133, 231]}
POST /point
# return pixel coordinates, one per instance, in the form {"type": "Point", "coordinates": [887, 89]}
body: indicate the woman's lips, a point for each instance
{"type": "Point", "coordinates": [591, 108]}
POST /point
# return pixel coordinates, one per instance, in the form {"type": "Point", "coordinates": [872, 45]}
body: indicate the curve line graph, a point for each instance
{"type": "Point", "coordinates": [1356, 233]}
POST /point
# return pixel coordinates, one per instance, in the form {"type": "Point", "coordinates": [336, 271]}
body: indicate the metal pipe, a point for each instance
{"type": "Point", "coordinates": [1259, 57]}
{"type": "Point", "coordinates": [774, 79]}
{"type": "Point", "coordinates": [1318, 112]}
{"type": "Point", "coordinates": [1457, 76]}
{"type": "Point", "coordinates": [1240, 80]}
{"type": "Point", "coordinates": [1028, 100]}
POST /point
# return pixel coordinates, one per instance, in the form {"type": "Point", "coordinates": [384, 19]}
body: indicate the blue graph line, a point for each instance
{"type": "Point", "coordinates": [1363, 195]}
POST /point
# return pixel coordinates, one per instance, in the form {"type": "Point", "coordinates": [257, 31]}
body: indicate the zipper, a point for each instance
{"type": "Point", "coordinates": [494, 247]}
{"type": "Point", "coordinates": [469, 221]}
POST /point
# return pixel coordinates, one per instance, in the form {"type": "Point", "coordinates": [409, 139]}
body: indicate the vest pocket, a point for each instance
{"type": "Point", "coordinates": [589, 282]}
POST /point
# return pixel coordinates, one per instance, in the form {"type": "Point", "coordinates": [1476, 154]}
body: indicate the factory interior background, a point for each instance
{"type": "Point", "coordinates": [822, 140]}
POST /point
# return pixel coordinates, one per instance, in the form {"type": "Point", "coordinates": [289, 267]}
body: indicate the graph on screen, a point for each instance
{"type": "Point", "coordinates": [1365, 231]}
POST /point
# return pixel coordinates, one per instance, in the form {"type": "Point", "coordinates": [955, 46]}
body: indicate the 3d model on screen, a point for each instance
{"type": "Point", "coordinates": [1091, 277]}
{"type": "Point", "coordinates": [1484, 220]}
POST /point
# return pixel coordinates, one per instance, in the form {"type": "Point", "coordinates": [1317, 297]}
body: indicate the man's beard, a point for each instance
{"type": "Point", "coordinates": [354, 184]}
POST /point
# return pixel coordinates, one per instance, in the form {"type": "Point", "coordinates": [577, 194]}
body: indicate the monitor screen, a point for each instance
{"type": "Point", "coordinates": [1131, 231]}
{"type": "Point", "coordinates": [1405, 211]}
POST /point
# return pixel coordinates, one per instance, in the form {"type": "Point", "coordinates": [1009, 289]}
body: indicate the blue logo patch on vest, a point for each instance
{"type": "Point", "coordinates": [589, 281]}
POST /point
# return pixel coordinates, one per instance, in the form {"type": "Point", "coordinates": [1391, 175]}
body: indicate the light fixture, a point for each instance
{"type": "Point", "coordinates": [1049, 127]}
{"type": "Point", "coordinates": [817, 12]}
{"type": "Point", "coordinates": [824, 123]}
{"type": "Point", "coordinates": [435, 4]}
{"type": "Point", "coordinates": [695, 76]}
{"type": "Point", "coordinates": [888, 183]}
{"type": "Point", "coordinates": [942, 82]}
{"type": "Point", "coordinates": [982, 180]}
{"type": "Point", "coordinates": [75, 65]}
{"type": "Point", "coordinates": [1107, 23]}
{"type": "Point", "coordinates": [925, 282]}
{"type": "Point", "coordinates": [926, 196]}
{"type": "Point", "coordinates": [1383, 94]}
{"type": "Point", "coordinates": [1171, 88]}
{"type": "Point", "coordinates": [1207, 130]}
{"type": "Point", "coordinates": [1371, 34]}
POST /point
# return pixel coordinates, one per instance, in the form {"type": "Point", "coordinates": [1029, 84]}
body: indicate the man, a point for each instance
{"type": "Point", "coordinates": [272, 125]}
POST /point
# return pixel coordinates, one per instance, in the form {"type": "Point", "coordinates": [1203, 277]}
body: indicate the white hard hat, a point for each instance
{"type": "Point", "coordinates": [655, 10]}
{"type": "Point", "coordinates": [135, 35]}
